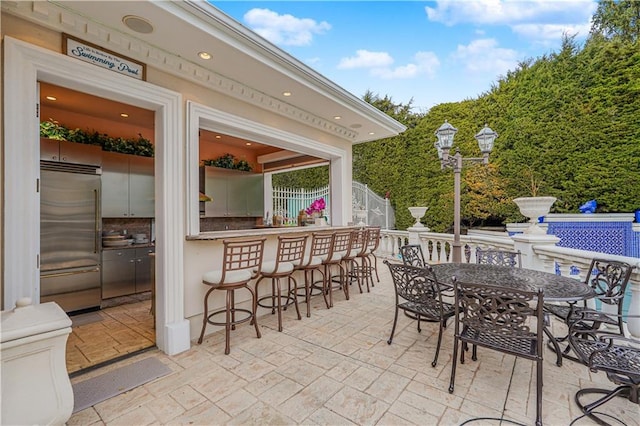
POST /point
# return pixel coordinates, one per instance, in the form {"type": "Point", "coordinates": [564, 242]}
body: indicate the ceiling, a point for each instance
{"type": "Point", "coordinates": [94, 106]}
{"type": "Point", "coordinates": [82, 103]}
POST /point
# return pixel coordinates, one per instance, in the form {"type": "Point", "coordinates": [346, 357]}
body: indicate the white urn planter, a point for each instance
{"type": "Point", "coordinates": [361, 215]}
{"type": "Point", "coordinates": [533, 208]}
{"type": "Point", "coordinates": [417, 213]}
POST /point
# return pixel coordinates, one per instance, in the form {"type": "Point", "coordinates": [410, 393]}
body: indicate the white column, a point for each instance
{"type": "Point", "coordinates": [633, 322]}
{"type": "Point", "coordinates": [525, 243]}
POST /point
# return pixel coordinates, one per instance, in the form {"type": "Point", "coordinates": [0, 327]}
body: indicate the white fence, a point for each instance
{"type": "Point", "coordinates": [287, 202]}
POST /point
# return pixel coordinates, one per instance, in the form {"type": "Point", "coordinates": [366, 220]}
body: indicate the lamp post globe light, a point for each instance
{"type": "Point", "coordinates": [445, 135]}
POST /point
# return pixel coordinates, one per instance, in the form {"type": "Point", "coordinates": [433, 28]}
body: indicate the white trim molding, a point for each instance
{"type": "Point", "coordinates": [24, 66]}
{"type": "Point", "coordinates": [206, 118]}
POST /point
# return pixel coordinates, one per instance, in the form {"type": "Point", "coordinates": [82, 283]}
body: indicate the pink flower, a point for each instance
{"type": "Point", "coordinates": [317, 206]}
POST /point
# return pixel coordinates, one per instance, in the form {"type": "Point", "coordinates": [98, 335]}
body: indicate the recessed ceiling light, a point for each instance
{"type": "Point", "coordinates": [218, 137]}
{"type": "Point", "coordinates": [248, 143]}
{"type": "Point", "coordinates": [337, 117]}
{"type": "Point", "coordinates": [51, 98]}
{"type": "Point", "coordinates": [124, 115]}
{"type": "Point", "coordinates": [204, 55]}
{"type": "Point", "coordinates": [372, 133]}
{"type": "Point", "coordinates": [138, 24]}
{"type": "Point", "coordinates": [286, 93]}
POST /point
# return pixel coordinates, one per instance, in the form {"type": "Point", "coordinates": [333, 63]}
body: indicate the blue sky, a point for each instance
{"type": "Point", "coordinates": [428, 51]}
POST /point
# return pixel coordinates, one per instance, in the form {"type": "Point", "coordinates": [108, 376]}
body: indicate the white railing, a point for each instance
{"type": "Point", "coordinates": [545, 257]}
{"type": "Point", "coordinates": [436, 247]}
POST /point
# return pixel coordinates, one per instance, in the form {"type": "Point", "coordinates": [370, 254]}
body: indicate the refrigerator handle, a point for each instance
{"type": "Point", "coordinates": [96, 237]}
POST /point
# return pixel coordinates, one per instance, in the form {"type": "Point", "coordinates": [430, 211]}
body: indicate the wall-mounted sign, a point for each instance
{"type": "Point", "coordinates": [103, 58]}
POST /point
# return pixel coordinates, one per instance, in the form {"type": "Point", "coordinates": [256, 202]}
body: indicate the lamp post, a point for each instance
{"type": "Point", "coordinates": [445, 134]}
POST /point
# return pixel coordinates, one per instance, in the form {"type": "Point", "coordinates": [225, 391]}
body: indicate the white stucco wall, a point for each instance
{"type": "Point", "coordinates": [179, 263]}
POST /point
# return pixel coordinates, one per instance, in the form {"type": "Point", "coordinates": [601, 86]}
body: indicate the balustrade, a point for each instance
{"type": "Point", "coordinates": [543, 255]}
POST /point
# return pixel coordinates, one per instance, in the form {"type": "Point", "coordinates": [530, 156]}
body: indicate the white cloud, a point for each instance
{"type": "Point", "coordinates": [550, 32]}
{"type": "Point", "coordinates": [379, 64]}
{"type": "Point", "coordinates": [509, 12]}
{"type": "Point", "coordinates": [285, 30]}
{"type": "Point", "coordinates": [538, 20]}
{"type": "Point", "coordinates": [366, 59]}
{"type": "Point", "coordinates": [484, 56]}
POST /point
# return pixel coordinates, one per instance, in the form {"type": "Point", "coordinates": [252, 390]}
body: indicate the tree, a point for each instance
{"type": "Point", "coordinates": [617, 19]}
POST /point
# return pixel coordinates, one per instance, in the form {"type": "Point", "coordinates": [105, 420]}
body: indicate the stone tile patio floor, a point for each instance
{"type": "Point", "coordinates": [336, 368]}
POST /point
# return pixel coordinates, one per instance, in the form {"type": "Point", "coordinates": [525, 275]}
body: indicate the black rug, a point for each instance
{"type": "Point", "coordinates": [92, 391]}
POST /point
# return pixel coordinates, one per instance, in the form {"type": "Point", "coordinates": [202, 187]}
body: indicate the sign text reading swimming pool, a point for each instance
{"type": "Point", "coordinates": [103, 58]}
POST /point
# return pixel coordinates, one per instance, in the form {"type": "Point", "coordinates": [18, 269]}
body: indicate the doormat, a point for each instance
{"type": "Point", "coordinates": [84, 319]}
{"type": "Point", "coordinates": [97, 389]}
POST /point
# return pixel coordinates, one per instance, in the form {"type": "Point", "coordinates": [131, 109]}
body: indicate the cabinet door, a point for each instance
{"type": "Point", "coordinates": [78, 153]}
{"type": "Point", "coordinates": [118, 273]}
{"type": "Point", "coordinates": [115, 185]}
{"type": "Point", "coordinates": [255, 195]}
{"type": "Point", "coordinates": [49, 149]}
{"type": "Point", "coordinates": [237, 195]}
{"type": "Point", "coordinates": [144, 275]}
{"type": "Point", "coordinates": [141, 187]}
{"type": "Point", "coordinates": [215, 184]}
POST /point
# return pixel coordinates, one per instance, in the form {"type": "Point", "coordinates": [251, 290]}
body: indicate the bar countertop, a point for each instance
{"type": "Point", "coordinates": [257, 232]}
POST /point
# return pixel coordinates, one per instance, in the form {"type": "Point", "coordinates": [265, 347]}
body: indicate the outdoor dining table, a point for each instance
{"type": "Point", "coordinates": [557, 288]}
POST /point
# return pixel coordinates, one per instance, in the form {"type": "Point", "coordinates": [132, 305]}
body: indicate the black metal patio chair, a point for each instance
{"type": "Point", "coordinates": [418, 292]}
{"type": "Point", "coordinates": [615, 355]}
{"type": "Point", "coordinates": [505, 320]}
{"type": "Point", "coordinates": [608, 279]}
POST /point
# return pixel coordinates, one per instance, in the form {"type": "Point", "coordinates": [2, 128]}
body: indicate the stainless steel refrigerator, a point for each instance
{"type": "Point", "coordinates": [70, 235]}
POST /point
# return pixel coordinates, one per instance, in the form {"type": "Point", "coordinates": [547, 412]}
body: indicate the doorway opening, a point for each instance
{"type": "Point", "coordinates": [111, 310]}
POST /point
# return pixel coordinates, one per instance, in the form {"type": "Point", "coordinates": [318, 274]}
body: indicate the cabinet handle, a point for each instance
{"type": "Point", "coordinates": [96, 236]}
{"type": "Point", "coordinates": [65, 274]}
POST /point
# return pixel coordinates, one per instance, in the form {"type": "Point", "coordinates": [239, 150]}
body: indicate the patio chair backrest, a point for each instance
{"type": "Point", "coordinates": [501, 314]}
{"type": "Point", "coordinates": [609, 279]}
{"type": "Point", "coordinates": [499, 257]}
{"type": "Point", "coordinates": [412, 255]}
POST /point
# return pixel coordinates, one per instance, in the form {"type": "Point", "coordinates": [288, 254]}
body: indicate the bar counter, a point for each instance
{"type": "Point", "coordinates": [204, 252]}
{"type": "Point", "coordinates": [257, 232]}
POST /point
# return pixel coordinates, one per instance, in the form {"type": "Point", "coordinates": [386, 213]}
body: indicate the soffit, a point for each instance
{"type": "Point", "coordinates": [243, 65]}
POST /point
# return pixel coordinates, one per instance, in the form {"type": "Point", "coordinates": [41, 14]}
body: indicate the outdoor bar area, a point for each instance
{"type": "Point", "coordinates": [260, 314]}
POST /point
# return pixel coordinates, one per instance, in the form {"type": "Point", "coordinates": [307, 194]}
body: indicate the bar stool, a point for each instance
{"type": "Point", "coordinates": [290, 254]}
{"type": "Point", "coordinates": [339, 249]}
{"type": "Point", "coordinates": [368, 259]}
{"type": "Point", "coordinates": [321, 243]}
{"type": "Point", "coordinates": [356, 247]}
{"type": "Point", "coordinates": [241, 263]}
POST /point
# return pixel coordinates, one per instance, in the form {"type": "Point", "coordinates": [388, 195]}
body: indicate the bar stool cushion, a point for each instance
{"type": "Point", "coordinates": [269, 267]}
{"type": "Point", "coordinates": [337, 256]}
{"type": "Point", "coordinates": [317, 260]}
{"type": "Point", "coordinates": [215, 277]}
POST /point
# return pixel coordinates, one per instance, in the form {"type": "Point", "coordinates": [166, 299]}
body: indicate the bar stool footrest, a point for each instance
{"type": "Point", "coordinates": [289, 301]}
{"type": "Point", "coordinates": [233, 323]}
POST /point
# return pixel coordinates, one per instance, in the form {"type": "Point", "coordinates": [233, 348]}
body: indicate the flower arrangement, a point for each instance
{"type": "Point", "coordinates": [317, 206]}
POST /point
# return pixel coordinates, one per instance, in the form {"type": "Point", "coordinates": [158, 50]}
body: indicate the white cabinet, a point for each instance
{"type": "Point", "coordinates": [70, 152]}
{"type": "Point", "coordinates": [127, 185]}
{"type": "Point", "coordinates": [234, 193]}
